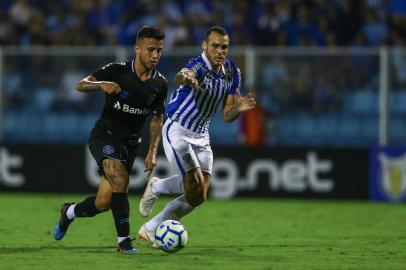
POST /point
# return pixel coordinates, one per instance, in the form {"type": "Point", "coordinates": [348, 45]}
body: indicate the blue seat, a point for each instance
{"type": "Point", "coordinates": [43, 99]}
{"type": "Point", "coordinates": [326, 126]}
{"type": "Point", "coordinates": [349, 127]}
{"type": "Point", "coordinates": [397, 102]}
{"type": "Point", "coordinates": [306, 126]}
{"type": "Point", "coordinates": [370, 129]}
{"type": "Point", "coordinates": [286, 126]}
{"type": "Point", "coordinates": [223, 133]}
{"type": "Point", "coordinates": [361, 102]}
{"type": "Point", "coordinates": [397, 130]}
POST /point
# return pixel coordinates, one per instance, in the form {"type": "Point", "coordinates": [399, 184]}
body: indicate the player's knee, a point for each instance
{"type": "Point", "coordinates": [201, 198]}
{"type": "Point", "coordinates": [194, 184]}
{"type": "Point", "coordinates": [116, 174]}
{"type": "Point", "coordinates": [196, 192]}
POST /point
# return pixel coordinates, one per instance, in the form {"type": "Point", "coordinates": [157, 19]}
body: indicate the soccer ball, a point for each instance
{"type": "Point", "coordinates": [171, 236]}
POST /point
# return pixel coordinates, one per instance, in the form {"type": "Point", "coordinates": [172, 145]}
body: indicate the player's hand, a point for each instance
{"type": "Point", "coordinates": [245, 103]}
{"type": "Point", "coordinates": [192, 81]}
{"type": "Point", "coordinates": [150, 163]}
{"type": "Point", "coordinates": [110, 88]}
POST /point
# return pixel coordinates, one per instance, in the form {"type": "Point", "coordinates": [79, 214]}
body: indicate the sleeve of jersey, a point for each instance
{"type": "Point", "coordinates": [105, 73]}
{"type": "Point", "coordinates": [197, 67]}
{"type": "Point", "coordinates": [160, 109]}
{"type": "Point", "coordinates": [236, 84]}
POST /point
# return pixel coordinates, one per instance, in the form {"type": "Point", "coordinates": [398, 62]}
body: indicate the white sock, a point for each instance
{"type": "Point", "coordinates": [121, 239]}
{"type": "Point", "coordinates": [70, 213]}
{"type": "Point", "coordinates": [175, 209]}
{"type": "Point", "coordinates": [171, 185]}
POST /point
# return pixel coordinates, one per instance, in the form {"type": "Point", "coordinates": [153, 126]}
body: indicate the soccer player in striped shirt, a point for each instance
{"type": "Point", "coordinates": [208, 81]}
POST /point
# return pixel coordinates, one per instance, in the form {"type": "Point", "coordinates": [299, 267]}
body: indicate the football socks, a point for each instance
{"type": "Point", "coordinates": [86, 208]}
{"type": "Point", "coordinates": [120, 209]}
{"type": "Point", "coordinates": [175, 209]}
{"type": "Point", "coordinates": [170, 185]}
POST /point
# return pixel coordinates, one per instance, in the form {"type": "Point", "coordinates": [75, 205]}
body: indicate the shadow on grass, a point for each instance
{"type": "Point", "coordinates": [227, 250]}
{"type": "Point", "coordinates": [87, 249]}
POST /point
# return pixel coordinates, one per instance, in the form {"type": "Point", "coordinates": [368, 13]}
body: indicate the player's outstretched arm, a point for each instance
{"type": "Point", "coordinates": [90, 84]}
{"type": "Point", "coordinates": [155, 129]}
{"type": "Point", "coordinates": [237, 104]}
{"type": "Point", "coordinates": [186, 76]}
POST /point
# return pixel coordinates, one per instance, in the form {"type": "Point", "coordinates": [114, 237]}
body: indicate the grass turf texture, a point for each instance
{"type": "Point", "coordinates": [236, 234]}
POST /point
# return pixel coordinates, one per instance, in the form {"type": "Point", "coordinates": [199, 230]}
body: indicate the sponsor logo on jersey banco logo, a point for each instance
{"type": "Point", "coordinates": [127, 109]}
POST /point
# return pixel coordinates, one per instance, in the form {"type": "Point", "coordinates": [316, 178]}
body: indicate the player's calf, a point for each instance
{"type": "Point", "coordinates": [196, 198]}
{"type": "Point", "coordinates": [195, 190]}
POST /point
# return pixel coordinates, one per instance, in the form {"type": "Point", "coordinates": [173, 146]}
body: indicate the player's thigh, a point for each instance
{"type": "Point", "coordinates": [200, 178]}
{"type": "Point", "coordinates": [114, 169]}
{"type": "Point", "coordinates": [178, 150]}
{"type": "Point", "coordinates": [204, 156]}
{"type": "Point", "coordinates": [105, 146]}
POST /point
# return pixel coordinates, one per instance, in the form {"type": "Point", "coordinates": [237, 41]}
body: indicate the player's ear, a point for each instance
{"type": "Point", "coordinates": [204, 45]}
{"type": "Point", "coordinates": [137, 49]}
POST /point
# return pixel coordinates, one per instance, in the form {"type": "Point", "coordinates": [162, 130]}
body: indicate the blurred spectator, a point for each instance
{"type": "Point", "coordinates": [374, 29]}
{"type": "Point", "coordinates": [253, 125]}
{"type": "Point", "coordinates": [8, 33]}
{"type": "Point", "coordinates": [67, 97]}
{"type": "Point", "coordinates": [302, 28]}
{"type": "Point", "coordinates": [399, 61]}
{"type": "Point", "coordinates": [294, 85]}
{"type": "Point", "coordinates": [260, 22]}
{"type": "Point", "coordinates": [20, 13]}
{"type": "Point", "coordinates": [325, 97]}
{"type": "Point", "coordinates": [14, 95]}
{"type": "Point", "coordinates": [44, 94]}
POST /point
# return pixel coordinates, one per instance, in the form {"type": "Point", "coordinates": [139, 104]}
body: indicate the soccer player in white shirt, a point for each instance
{"type": "Point", "coordinates": [207, 81]}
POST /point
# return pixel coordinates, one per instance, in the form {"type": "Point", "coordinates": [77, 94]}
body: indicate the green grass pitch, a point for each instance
{"type": "Point", "coordinates": [236, 234]}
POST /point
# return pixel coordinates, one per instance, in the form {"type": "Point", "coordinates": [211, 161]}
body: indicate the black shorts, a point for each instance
{"type": "Point", "coordinates": [104, 144]}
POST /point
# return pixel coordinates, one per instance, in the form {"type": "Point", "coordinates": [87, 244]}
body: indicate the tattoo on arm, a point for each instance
{"type": "Point", "coordinates": [232, 113]}
{"type": "Point", "coordinates": [155, 128]}
{"type": "Point", "coordinates": [88, 84]}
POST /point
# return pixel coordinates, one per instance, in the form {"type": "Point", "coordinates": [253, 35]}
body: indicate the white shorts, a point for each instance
{"type": "Point", "coordinates": [185, 149]}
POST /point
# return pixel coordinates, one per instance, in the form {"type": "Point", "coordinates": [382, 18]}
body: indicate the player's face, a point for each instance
{"type": "Point", "coordinates": [149, 52]}
{"type": "Point", "coordinates": [216, 49]}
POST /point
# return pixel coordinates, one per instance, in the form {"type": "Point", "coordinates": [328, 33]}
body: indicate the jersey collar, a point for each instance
{"type": "Point", "coordinates": [133, 69]}
{"type": "Point", "coordinates": [208, 64]}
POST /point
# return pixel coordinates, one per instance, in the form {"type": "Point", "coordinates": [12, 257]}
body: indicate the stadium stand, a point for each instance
{"type": "Point", "coordinates": [305, 109]}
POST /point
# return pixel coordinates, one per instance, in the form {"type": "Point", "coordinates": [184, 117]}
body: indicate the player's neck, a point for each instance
{"type": "Point", "coordinates": [142, 72]}
{"type": "Point", "coordinates": [217, 69]}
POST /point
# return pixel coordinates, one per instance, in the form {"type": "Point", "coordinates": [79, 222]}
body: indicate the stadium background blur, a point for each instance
{"type": "Point", "coordinates": [328, 135]}
{"type": "Point", "coordinates": [327, 74]}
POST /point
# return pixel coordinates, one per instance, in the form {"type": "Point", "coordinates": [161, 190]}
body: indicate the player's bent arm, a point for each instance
{"type": "Point", "coordinates": [230, 109]}
{"type": "Point", "coordinates": [236, 104]}
{"type": "Point", "coordinates": [90, 84]}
